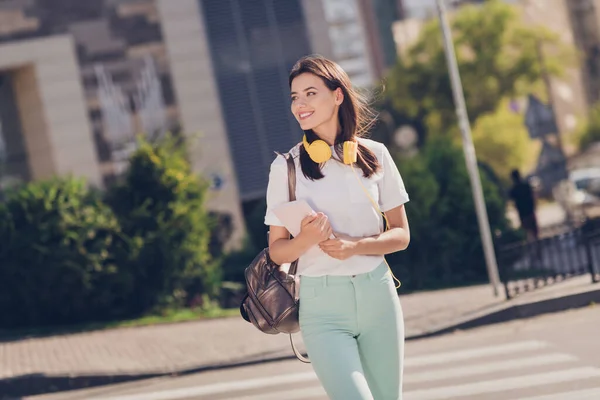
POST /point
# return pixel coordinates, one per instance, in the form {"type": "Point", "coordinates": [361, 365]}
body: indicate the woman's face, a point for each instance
{"type": "Point", "coordinates": [313, 104]}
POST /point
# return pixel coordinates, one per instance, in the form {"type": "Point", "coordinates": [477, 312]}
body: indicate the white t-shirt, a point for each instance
{"type": "Point", "coordinates": [339, 196]}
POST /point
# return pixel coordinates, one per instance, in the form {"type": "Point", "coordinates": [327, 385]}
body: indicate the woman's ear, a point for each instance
{"type": "Point", "coordinates": [339, 96]}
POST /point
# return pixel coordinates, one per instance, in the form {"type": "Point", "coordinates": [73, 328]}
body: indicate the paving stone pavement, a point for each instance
{"type": "Point", "coordinates": [220, 342]}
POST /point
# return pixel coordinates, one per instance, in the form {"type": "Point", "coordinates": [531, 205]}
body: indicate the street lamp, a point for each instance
{"type": "Point", "coordinates": [469, 150]}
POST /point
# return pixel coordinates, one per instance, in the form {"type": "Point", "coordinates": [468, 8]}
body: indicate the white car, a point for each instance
{"type": "Point", "coordinates": [587, 186]}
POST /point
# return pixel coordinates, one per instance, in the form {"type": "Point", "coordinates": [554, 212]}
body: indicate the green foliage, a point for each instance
{"type": "Point", "coordinates": [160, 206]}
{"type": "Point", "coordinates": [59, 252]}
{"type": "Point", "coordinates": [68, 255]}
{"type": "Point", "coordinates": [445, 246]}
{"type": "Point", "coordinates": [590, 132]}
{"type": "Point", "coordinates": [497, 56]}
{"type": "Point", "coordinates": [502, 142]}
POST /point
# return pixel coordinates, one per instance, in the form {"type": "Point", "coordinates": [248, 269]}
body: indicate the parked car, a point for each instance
{"type": "Point", "coordinates": [586, 182]}
{"type": "Point", "coordinates": [587, 179]}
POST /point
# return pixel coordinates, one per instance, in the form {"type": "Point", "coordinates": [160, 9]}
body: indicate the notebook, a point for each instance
{"type": "Point", "coordinates": [292, 213]}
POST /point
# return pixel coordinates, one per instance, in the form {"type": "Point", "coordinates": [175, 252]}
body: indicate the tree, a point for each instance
{"type": "Point", "coordinates": [160, 206]}
{"type": "Point", "coordinates": [497, 56]}
{"type": "Point", "coordinates": [502, 141]}
{"type": "Point", "coordinates": [590, 131]}
{"type": "Point", "coordinates": [445, 248]}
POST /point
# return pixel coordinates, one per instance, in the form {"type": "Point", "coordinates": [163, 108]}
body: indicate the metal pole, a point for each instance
{"type": "Point", "coordinates": [469, 150]}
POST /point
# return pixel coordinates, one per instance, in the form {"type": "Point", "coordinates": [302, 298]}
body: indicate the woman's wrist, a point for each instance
{"type": "Point", "coordinates": [302, 242]}
{"type": "Point", "coordinates": [359, 245]}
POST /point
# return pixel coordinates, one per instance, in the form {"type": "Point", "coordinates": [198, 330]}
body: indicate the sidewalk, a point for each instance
{"type": "Point", "coordinates": [87, 359]}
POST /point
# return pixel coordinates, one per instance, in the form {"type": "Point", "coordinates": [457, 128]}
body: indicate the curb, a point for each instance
{"type": "Point", "coordinates": [518, 311]}
{"type": "Point", "coordinates": [36, 384]}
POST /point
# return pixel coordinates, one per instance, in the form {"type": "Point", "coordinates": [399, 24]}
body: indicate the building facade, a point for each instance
{"type": "Point", "coordinates": [79, 79]}
{"type": "Point", "coordinates": [584, 16]}
{"type": "Point", "coordinates": [53, 58]}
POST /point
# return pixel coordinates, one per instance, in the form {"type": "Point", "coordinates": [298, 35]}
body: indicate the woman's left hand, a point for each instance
{"type": "Point", "coordinates": [341, 247]}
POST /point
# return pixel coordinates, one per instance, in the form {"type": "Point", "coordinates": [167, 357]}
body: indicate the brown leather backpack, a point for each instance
{"type": "Point", "coordinates": [272, 303]}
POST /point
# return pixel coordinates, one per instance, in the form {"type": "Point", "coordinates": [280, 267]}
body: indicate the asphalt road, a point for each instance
{"type": "Point", "coordinates": [553, 357]}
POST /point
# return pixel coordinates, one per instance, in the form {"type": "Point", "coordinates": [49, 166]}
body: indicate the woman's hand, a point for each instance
{"type": "Point", "coordinates": [341, 248]}
{"type": "Point", "coordinates": [315, 228]}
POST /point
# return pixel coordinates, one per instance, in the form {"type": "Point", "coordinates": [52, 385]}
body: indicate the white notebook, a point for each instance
{"type": "Point", "coordinates": [292, 213]}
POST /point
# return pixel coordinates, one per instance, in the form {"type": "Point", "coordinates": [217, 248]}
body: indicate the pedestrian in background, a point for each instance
{"type": "Point", "coordinates": [524, 198]}
{"type": "Point", "coordinates": [350, 316]}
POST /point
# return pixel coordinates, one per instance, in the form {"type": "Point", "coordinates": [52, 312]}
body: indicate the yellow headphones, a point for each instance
{"type": "Point", "coordinates": [319, 151]}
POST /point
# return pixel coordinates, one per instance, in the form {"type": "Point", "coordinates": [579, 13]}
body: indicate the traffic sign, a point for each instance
{"type": "Point", "coordinates": [539, 119]}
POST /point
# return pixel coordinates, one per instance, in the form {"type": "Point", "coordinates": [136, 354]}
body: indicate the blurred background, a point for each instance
{"type": "Point", "coordinates": [136, 138]}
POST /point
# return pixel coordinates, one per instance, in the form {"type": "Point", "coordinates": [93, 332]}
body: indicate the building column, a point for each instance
{"type": "Point", "coordinates": [51, 103]}
{"type": "Point", "coordinates": [200, 107]}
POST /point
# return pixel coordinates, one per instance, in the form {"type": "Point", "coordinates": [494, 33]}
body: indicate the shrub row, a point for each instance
{"type": "Point", "coordinates": [71, 254]}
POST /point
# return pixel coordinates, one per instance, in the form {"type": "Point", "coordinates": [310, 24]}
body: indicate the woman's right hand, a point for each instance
{"type": "Point", "coordinates": [316, 228]}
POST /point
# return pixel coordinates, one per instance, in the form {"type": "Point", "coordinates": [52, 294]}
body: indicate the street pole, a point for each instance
{"type": "Point", "coordinates": [469, 150]}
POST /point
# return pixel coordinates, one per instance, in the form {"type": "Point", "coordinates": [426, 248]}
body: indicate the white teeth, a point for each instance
{"type": "Point", "coordinates": [304, 115]}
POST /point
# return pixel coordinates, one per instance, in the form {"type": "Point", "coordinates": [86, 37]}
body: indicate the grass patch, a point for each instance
{"type": "Point", "coordinates": [175, 315]}
{"type": "Point", "coordinates": [168, 316]}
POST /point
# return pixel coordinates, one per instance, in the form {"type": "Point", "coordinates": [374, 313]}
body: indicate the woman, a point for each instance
{"type": "Point", "coordinates": [350, 315]}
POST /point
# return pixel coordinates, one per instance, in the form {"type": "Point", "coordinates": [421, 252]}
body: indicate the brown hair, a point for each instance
{"type": "Point", "coordinates": [355, 116]}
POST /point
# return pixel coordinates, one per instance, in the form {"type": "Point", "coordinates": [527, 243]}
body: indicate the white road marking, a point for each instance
{"type": "Point", "coordinates": [468, 354]}
{"type": "Point", "coordinates": [480, 369]}
{"type": "Point", "coordinates": [586, 394]}
{"type": "Point", "coordinates": [500, 385]}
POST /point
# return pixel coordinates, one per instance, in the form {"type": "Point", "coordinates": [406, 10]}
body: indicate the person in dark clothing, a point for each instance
{"type": "Point", "coordinates": [522, 195]}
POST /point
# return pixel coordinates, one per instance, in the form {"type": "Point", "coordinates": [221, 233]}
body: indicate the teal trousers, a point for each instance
{"type": "Point", "coordinates": [353, 330]}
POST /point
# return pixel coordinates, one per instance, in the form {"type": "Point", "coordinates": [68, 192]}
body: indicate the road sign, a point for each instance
{"type": "Point", "coordinates": [539, 119]}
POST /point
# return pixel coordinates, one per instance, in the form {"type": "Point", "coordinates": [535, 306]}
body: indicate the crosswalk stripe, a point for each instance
{"type": "Point", "coordinates": [463, 355]}
{"type": "Point", "coordinates": [450, 371]}
{"type": "Point", "coordinates": [480, 369]}
{"type": "Point", "coordinates": [290, 394]}
{"type": "Point", "coordinates": [520, 382]}
{"type": "Point", "coordinates": [217, 388]}
{"type": "Point", "coordinates": [586, 394]}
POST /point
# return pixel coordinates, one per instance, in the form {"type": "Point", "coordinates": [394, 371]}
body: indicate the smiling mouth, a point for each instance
{"type": "Point", "coordinates": [305, 115]}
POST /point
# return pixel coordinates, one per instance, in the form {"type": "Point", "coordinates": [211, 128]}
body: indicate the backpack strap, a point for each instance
{"type": "Point", "coordinates": [291, 169]}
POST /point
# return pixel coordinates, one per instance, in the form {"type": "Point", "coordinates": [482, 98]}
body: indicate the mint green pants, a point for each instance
{"type": "Point", "coordinates": [353, 330]}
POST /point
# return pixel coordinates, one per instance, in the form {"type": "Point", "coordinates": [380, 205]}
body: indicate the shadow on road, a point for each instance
{"type": "Point", "coordinates": [36, 384]}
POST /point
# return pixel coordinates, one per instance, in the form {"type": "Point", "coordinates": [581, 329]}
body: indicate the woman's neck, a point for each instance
{"type": "Point", "coordinates": [328, 132]}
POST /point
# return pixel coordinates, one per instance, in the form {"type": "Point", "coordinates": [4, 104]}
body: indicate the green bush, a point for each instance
{"type": "Point", "coordinates": [160, 206]}
{"type": "Point", "coordinates": [72, 255]}
{"type": "Point", "coordinates": [59, 252]}
{"type": "Point", "coordinates": [591, 131]}
{"type": "Point", "coordinates": [445, 248]}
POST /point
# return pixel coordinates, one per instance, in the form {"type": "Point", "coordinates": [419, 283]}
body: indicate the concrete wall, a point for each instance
{"type": "Point", "coordinates": [199, 105]}
{"type": "Point", "coordinates": [51, 102]}
{"type": "Point", "coordinates": [568, 92]}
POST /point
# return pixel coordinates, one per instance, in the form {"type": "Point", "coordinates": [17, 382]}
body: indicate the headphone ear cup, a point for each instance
{"type": "Point", "coordinates": [319, 151]}
{"type": "Point", "coordinates": [350, 152]}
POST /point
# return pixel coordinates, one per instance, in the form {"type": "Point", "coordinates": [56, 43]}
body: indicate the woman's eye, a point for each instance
{"type": "Point", "coordinates": [310, 93]}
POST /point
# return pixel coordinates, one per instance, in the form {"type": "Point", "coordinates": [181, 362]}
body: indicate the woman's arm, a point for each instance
{"type": "Point", "coordinates": [314, 229]}
{"type": "Point", "coordinates": [282, 249]}
{"type": "Point", "coordinates": [396, 238]}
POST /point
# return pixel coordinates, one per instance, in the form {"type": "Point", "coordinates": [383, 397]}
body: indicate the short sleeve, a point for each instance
{"type": "Point", "coordinates": [277, 190]}
{"type": "Point", "coordinates": [392, 192]}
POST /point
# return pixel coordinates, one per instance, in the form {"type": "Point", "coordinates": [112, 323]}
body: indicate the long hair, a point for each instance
{"type": "Point", "coordinates": [355, 116]}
